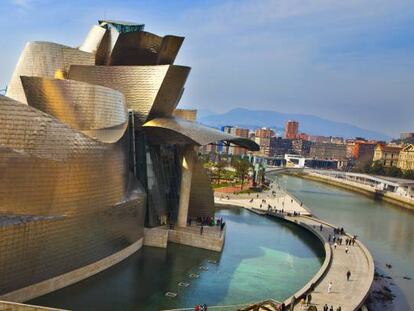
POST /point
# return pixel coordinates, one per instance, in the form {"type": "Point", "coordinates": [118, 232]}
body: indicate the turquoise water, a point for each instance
{"type": "Point", "coordinates": [262, 258]}
{"type": "Point", "coordinates": [387, 230]}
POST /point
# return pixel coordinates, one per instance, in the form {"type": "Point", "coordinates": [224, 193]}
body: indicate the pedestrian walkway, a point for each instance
{"type": "Point", "coordinates": [351, 294]}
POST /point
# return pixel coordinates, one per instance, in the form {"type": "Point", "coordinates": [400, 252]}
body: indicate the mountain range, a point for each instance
{"type": "Point", "coordinates": [309, 124]}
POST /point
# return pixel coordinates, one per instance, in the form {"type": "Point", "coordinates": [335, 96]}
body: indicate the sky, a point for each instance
{"type": "Point", "coordinates": [350, 61]}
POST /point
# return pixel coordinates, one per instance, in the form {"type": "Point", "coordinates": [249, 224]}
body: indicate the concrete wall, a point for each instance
{"type": "Point", "coordinates": [156, 237]}
{"type": "Point", "coordinates": [214, 242]}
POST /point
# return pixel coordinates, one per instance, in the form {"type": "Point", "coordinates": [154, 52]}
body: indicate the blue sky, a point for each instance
{"type": "Point", "coordinates": [349, 61]}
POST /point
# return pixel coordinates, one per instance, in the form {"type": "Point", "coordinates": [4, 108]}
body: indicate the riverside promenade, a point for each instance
{"type": "Point", "coordinates": [349, 295]}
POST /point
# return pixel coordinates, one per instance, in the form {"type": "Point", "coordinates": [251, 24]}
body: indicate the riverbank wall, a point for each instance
{"type": "Point", "coordinates": [359, 188]}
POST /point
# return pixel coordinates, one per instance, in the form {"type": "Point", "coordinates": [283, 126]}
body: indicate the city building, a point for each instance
{"type": "Point", "coordinates": [406, 158]}
{"type": "Point", "coordinates": [291, 129]}
{"type": "Point", "coordinates": [303, 136]}
{"type": "Point", "coordinates": [262, 138]}
{"type": "Point", "coordinates": [91, 153]}
{"type": "Point", "coordinates": [328, 151]}
{"type": "Point", "coordinates": [280, 146]}
{"type": "Point", "coordinates": [301, 147]}
{"type": "Point", "coordinates": [239, 132]}
{"type": "Point", "coordinates": [386, 155]}
{"type": "Point", "coordinates": [363, 149]}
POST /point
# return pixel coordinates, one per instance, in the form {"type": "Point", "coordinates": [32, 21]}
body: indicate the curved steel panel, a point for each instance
{"type": "Point", "coordinates": [66, 200]}
{"type": "Point", "coordinates": [95, 110]}
{"type": "Point", "coordinates": [93, 39]}
{"type": "Point", "coordinates": [180, 131]}
{"type": "Point", "coordinates": [47, 60]}
{"type": "Point", "coordinates": [144, 48]}
{"type": "Point", "coordinates": [149, 90]}
{"type": "Point", "coordinates": [201, 196]}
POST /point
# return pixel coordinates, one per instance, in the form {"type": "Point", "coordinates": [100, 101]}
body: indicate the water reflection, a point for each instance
{"type": "Point", "coordinates": [262, 258]}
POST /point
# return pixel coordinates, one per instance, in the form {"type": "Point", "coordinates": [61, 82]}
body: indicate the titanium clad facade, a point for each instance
{"type": "Point", "coordinates": [148, 90]}
{"type": "Point", "coordinates": [95, 110]}
{"type": "Point", "coordinates": [80, 176]}
{"type": "Point", "coordinates": [182, 131]}
{"type": "Point", "coordinates": [201, 195]}
{"type": "Point", "coordinates": [144, 48]}
{"type": "Point", "coordinates": [70, 209]}
{"type": "Point", "coordinates": [47, 60]}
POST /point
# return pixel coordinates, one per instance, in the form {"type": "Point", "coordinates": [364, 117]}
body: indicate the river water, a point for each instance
{"type": "Point", "coordinates": [262, 258]}
{"type": "Point", "coordinates": [387, 230]}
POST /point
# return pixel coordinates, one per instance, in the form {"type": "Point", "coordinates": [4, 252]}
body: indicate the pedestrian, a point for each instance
{"type": "Point", "coordinates": [302, 304]}
{"type": "Point", "coordinates": [346, 250]}
{"type": "Point", "coordinates": [309, 299]}
{"type": "Point", "coordinates": [329, 287]}
{"type": "Point", "coordinates": [334, 239]}
{"type": "Point", "coordinates": [339, 308]}
{"type": "Point", "coordinates": [321, 228]}
{"type": "Point", "coordinates": [201, 229]}
{"type": "Point", "coordinates": [205, 307]}
{"type": "Point", "coordinates": [353, 241]}
{"type": "Point", "coordinates": [331, 308]}
{"type": "Point", "coordinates": [196, 308]}
{"type": "Point", "coordinates": [335, 245]}
{"type": "Point", "coordinates": [329, 238]}
{"type": "Point", "coordinates": [283, 307]}
{"type": "Point", "coordinates": [348, 275]}
{"type": "Point", "coordinates": [325, 307]}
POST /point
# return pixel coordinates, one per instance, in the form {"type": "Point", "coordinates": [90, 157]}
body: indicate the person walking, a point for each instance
{"type": "Point", "coordinates": [309, 298]}
{"type": "Point", "coordinates": [346, 250]}
{"type": "Point", "coordinates": [329, 287]}
{"type": "Point", "coordinates": [201, 230]}
{"type": "Point", "coordinates": [302, 304]}
{"type": "Point", "coordinates": [335, 245]}
{"type": "Point", "coordinates": [325, 307]}
{"type": "Point", "coordinates": [331, 308]}
{"type": "Point", "coordinates": [348, 275]}
{"type": "Point", "coordinates": [339, 308]}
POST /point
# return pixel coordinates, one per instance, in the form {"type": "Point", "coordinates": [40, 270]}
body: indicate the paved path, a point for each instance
{"type": "Point", "coordinates": [347, 294]}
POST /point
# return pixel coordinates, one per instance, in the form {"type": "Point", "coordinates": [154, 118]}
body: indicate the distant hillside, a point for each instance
{"type": "Point", "coordinates": [307, 123]}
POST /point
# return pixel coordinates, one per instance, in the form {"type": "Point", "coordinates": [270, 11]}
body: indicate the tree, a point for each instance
{"type": "Point", "coordinates": [219, 168]}
{"type": "Point", "coordinates": [394, 171]}
{"type": "Point", "coordinates": [242, 168]}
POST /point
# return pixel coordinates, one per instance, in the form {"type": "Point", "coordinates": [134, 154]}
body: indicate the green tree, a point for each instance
{"type": "Point", "coordinates": [377, 168]}
{"type": "Point", "coordinates": [219, 169]}
{"type": "Point", "coordinates": [242, 168]}
{"type": "Point", "coordinates": [394, 171]}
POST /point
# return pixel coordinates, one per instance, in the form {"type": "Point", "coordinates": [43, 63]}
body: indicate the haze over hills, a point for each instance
{"type": "Point", "coordinates": [309, 124]}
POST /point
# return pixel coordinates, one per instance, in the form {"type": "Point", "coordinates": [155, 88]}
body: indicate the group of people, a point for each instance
{"type": "Point", "coordinates": [326, 308]}
{"type": "Point", "coordinates": [200, 307]}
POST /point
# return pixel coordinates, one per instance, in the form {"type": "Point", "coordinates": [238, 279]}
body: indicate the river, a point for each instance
{"type": "Point", "coordinates": [262, 258]}
{"type": "Point", "coordinates": [387, 230]}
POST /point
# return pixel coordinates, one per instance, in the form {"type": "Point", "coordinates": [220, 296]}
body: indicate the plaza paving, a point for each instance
{"type": "Point", "coordinates": [347, 294]}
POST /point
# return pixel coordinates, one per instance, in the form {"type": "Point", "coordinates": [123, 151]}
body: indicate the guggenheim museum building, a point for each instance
{"type": "Point", "coordinates": [92, 151]}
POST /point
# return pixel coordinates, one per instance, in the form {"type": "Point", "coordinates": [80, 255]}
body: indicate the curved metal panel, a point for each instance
{"type": "Point", "coordinates": [180, 131]}
{"type": "Point", "coordinates": [93, 39]}
{"type": "Point", "coordinates": [97, 111]}
{"type": "Point", "coordinates": [47, 60]}
{"type": "Point", "coordinates": [62, 195]}
{"type": "Point", "coordinates": [144, 48]}
{"type": "Point", "coordinates": [186, 114]}
{"type": "Point", "coordinates": [148, 90]}
{"type": "Point", "coordinates": [201, 196]}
